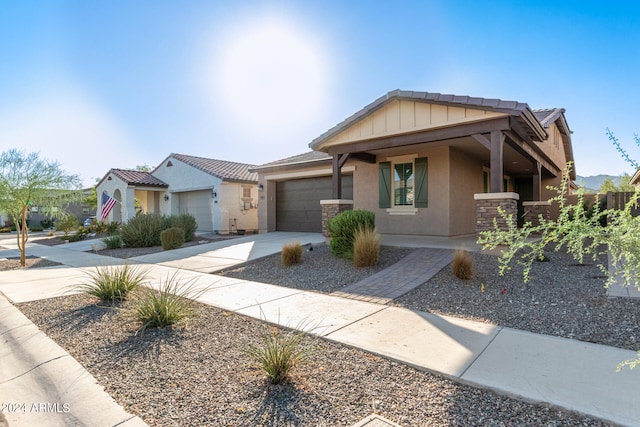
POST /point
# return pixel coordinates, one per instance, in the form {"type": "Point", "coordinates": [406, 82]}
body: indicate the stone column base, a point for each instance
{"type": "Point", "coordinates": [331, 208]}
{"type": "Point", "coordinates": [487, 205]}
{"type": "Point", "coordinates": [533, 211]}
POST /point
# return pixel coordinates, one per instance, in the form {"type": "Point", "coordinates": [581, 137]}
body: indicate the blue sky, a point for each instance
{"type": "Point", "coordinates": [96, 85]}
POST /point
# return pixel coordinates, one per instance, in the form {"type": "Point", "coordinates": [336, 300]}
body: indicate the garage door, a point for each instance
{"type": "Point", "coordinates": [298, 202]}
{"type": "Point", "coordinates": [196, 203]}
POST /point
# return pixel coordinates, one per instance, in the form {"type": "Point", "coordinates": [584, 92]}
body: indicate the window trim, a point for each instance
{"type": "Point", "coordinates": [391, 161]}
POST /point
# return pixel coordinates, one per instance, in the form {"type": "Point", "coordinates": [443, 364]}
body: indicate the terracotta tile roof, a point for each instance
{"type": "Point", "coordinates": [308, 157]}
{"type": "Point", "coordinates": [227, 171]}
{"type": "Point", "coordinates": [138, 178]}
{"type": "Point", "coordinates": [520, 110]}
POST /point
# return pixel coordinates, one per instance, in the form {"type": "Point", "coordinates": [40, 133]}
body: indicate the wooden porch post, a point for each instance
{"type": "Point", "coordinates": [337, 178]}
{"type": "Point", "coordinates": [537, 181]}
{"type": "Point", "coordinates": [497, 162]}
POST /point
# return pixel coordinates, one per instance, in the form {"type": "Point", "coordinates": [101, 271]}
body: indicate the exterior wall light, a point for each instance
{"type": "Point", "coordinates": [260, 187]}
{"type": "Point", "coordinates": [166, 197]}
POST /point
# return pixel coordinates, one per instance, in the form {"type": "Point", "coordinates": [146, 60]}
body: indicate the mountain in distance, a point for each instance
{"type": "Point", "coordinates": [595, 181]}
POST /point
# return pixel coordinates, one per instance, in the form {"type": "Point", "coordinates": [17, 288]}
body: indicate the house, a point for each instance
{"type": "Point", "coordinates": [221, 195]}
{"type": "Point", "coordinates": [635, 180]}
{"type": "Point", "coordinates": [425, 164]}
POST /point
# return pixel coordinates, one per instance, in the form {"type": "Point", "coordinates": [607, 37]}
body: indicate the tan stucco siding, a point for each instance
{"type": "Point", "coordinates": [399, 117]}
{"type": "Point", "coordinates": [235, 208]}
{"type": "Point", "coordinates": [433, 220]}
{"type": "Point", "coordinates": [553, 146]}
{"type": "Point", "coordinates": [466, 180]}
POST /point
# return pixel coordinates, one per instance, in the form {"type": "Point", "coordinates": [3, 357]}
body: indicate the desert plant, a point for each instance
{"type": "Point", "coordinates": [278, 352]}
{"type": "Point", "coordinates": [67, 224]}
{"type": "Point", "coordinates": [187, 223]}
{"type": "Point", "coordinates": [462, 265]}
{"type": "Point", "coordinates": [75, 237]}
{"type": "Point", "coordinates": [113, 228]}
{"type": "Point", "coordinates": [143, 231]}
{"type": "Point", "coordinates": [366, 247]}
{"type": "Point", "coordinates": [342, 229]}
{"type": "Point", "coordinates": [113, 282]}
{"type": "Point", "coordinates": [172, 238]}
{"type": "Point", "coordinates": [113, 242]}
{"type": "Point", "coordinates": [46, 223]}
{"type": "Point", "coordinates": [171, 303]}
{"type": "Point", "coordinates": [291, 254]}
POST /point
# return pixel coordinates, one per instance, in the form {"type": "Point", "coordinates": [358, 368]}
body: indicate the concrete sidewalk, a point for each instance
{"type": "Point", "coordinates": [568, 373]}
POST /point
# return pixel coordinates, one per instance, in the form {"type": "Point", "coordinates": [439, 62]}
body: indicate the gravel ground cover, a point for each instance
{"type": "Point", "coordinates": [32, 262]}
{"type": "Point", "coordinates": [199, 375]}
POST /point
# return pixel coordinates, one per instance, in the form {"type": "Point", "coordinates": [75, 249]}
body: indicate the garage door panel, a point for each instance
{"type": "Point", "coordinates": [196, 203]}
{"type": "Point", "coordinates": [298, 202]}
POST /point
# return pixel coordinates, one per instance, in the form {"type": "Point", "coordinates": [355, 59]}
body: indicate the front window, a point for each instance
{"type": "Point", "coordinates": [403, 184]}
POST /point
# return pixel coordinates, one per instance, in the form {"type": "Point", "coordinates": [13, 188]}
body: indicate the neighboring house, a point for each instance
{"type": "Point", "coordinates": [635, 180]}
{"type": "Point", "coordinates": [221, 195]}
{"type": "Point", "coordinates": [79, 209]}
{"type": "Point", "coordinates": [425, 163]}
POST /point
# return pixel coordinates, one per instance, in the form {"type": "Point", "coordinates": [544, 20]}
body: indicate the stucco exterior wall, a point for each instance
{"type": "Point", "coordinates": [121, 211]}
{"type": "Point", "coordinates": [182, 177]}
{"type": "Point", "coordinates": [466, 180]}
{"type": "Point", "coordinates": [433, 220]}
{"type": "Point", "coordinates": [245, 212]}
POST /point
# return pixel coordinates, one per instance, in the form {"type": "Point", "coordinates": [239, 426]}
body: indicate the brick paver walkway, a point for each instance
{"type": "Point", "coordinates": [408, 273]}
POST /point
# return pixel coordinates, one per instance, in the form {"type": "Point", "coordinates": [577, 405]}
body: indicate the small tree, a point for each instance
{"type": "Point", "coordinates": [26, 180]}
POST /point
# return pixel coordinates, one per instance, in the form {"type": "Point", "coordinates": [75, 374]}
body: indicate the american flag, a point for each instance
{"type": "Point", "coordinates": [108, 203]}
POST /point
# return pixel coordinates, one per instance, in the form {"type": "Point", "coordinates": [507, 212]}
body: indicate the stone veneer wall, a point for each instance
{"type": "Point", "coordinates": [331, 208]}
{"type": "Point", "coordinates": [533, 210]}
{"type": "Point", "coordinates": [487, 205]}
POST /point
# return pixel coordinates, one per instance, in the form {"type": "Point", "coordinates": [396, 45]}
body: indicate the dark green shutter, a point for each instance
{"type": "Point", "coordinates": [384, 184]}
{"type": "Point", "coordinates": [421, 182]}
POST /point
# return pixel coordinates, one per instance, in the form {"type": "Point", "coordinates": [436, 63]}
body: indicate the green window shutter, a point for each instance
{"type": "Point", "coordinates": [384, 184]}
{"type": "Point", "coordinates": [421, 182]}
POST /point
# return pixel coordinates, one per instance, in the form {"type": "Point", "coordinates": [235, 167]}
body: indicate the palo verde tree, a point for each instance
{"type": "Point", "coordinates": [26, 180]}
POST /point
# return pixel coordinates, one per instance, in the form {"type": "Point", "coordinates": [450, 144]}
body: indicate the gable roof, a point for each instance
{"type": "Point", "coordinates": [227, 171]}
{"type": "Point", "coordinates": [134, 177]}
{"type": "Point", "coordinates": [310, 157]}
{"type": "Point", "coordinates": [521, 111]}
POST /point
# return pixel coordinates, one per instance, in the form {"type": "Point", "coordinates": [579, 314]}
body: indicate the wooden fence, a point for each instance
{"type": "Point", "coordinates": [618, 200]}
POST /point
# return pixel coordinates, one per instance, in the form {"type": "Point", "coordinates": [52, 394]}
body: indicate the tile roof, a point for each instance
{"type": "Point", "coordinates": [308, 157]}
{"type": "Point", "coordinates": [138, 178]}
{"type": "Point", "coordinates": [519, 109]}
{"type": "Point", "coordinates": [547, 116]}
{"type": "Point", "coordinates": [228, 171]}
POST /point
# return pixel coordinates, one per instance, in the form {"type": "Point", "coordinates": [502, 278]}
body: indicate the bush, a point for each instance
{"type": "Point", "coordinates": [74, 237]}
{"type": "Point", "coordinates": [113, 242]}
{"type": "Point", "coordinates": [34, 229]}
{"type": "Point", "coordinates": [67, 224]}
{"type": "Point", "coordinates": [5, 230]}
{"type": "Point", "coordinates": [46, 223]}
{"type": "Point", "coordinates": [143, 231]}
{"type": "Point", "coordinates": [113, 283]}
{"type": "Point", "coordinates": [342, 229]}
{"type": "Point", "coordinates": [172, 238]}
{"type": "Point", "coordinates": [462, 265]}
{"type": "Point", "coordinates": [113, 228]}
{"type": "Point", "coordinates": [278, 352]}
{"type": "Point", "coordinates": [187, 223]}
{"type": "Point", "coordinates": [170, 304]}
{"type": "Point", "coordinates": [291, 254]}
{"type": "Point", "coordinates": [366, 247]}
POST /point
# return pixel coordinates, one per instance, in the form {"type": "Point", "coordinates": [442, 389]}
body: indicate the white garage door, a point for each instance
{"type": "Point", "coordinates": [197, 203]}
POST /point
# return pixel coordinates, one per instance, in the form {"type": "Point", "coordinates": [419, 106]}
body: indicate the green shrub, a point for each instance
{"type": "Point", "coordinates": [291, 254]}
{"type": "Point", "coordinates": [187, 223]}
{"type": "Point", "coordinates": [462, 265]}
{"type": "Point", "coordinates": [36, 229]}
{"type": "Point", "coordinates": [170, 304]}
{"type": "Point", "coordinates": [342, 229]}
{"type": "Point", "coordinates": [67, 224]}
{"type": "Point", "coordinates": [74, 237]}
{"type": "Point", "coordinates": [46, 223]}
{"type": "Point", "coordinates": [366, 247]}
{"type": "Point", "coordinates": [278, 352]}
{"type": "Point", "coordinates": [113, 228]}
{"type": "Point", "coordinates": [143, 231]}
{"type": "Point", "coordinates": [5, 230]}
{"type": "Point", "coordinates": [172, 238]}
{"type": "Point", "coordinates": [113, 242]}
{"type": "Point", "coordinates": [113, 283]}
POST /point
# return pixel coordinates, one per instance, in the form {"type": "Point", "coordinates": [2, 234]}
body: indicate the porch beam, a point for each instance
{"type": "Point", "coordinates": [527, 150]}
{"type": "Point", "coordinates": [482, 140]}
{"type": "Point", "coordinates": [432, 135]}
{"type": "Point", "coordinates": [497, 161]}
{"type": "Point", "coordinates": [364, 157]}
